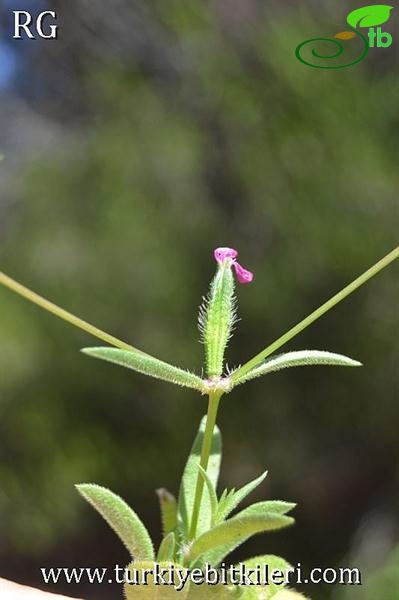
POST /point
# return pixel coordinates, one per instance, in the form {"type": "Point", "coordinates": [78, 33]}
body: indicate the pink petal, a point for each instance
{"type": "Point", "coordinates": [221, 254]}
{"type": "Point", "coordinates": [243, 275]}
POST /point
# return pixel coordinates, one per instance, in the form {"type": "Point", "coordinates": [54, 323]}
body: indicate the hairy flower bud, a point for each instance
{"type": "Point", "coordinates": [218, 313]}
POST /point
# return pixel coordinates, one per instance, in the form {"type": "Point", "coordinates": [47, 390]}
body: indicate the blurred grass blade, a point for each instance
{"type": "Point", "coordinates": [26, 293]}
{"type": "Point", "coordinates": [228, 503]}
{"type": "Point", "coordinates": [168, 506]}
{"type": "Point", "coordinates": [167, 548]}
{"type": "Point", "coordinates": [121, 518]}
{"type": "Point", "coordinates": [147, 365]}
{"type": "Point", "coordinates": [189, 481]}
{"type": "Point", "coordinates": [299, 358]}
{"type": "Point", "coordinates": [316, 314]}
{"type": "Point", "coordinates": [234, 532]}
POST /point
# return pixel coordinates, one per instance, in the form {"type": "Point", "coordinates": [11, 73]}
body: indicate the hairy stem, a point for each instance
{"type": "Point", "coordinates": [256, 360]}
{"type": "Point", "coordinates": [63, 314]}
{"type": "Point", "coordinates": [213, 405]}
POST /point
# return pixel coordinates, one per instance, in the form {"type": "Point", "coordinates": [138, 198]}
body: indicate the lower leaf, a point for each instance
{"type": "Point", "coordinates": [266, 589]}
{"type": "Point", "coordinates": [121, 518]}
{"type": "Point", "coordinates": [143, 585]}
{"type": "Point", "coordinates": [234, 532]}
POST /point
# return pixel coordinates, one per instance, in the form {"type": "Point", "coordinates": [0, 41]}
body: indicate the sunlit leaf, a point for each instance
{"type": "Point", "coordinates": [168, 506]}
{"type": "Point", "coordinates": [154, 591]}
{"type": "Point", "coordinates": [289, 595]}
{"type": "Point", "coordinates": [228, 502]}
{"type": "Point", "coordinates": [266, 588]}
{"type": "Point", "coordinates": [147, 365]}
{"type": "Point", "coordinates": [235, 531]}
{"type": "Point", "coordinates": [214, 592]}
{"type": "Point", "coordinates": [121, 518]}
{"type": "Point", "coordinates": [149, 589]}
{"type": "Point", "coordinates": [300, 358]}
{"type": "Point", "coordinates": [278, 507]}
{"type": "Point", "coordinates": [167, 548]}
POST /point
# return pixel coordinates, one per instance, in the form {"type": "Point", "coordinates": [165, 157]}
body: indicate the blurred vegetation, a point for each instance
{"type": "Point", "coordinates": [207, 132]}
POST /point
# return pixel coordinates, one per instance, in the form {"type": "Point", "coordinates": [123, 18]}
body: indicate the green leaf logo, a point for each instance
{"type": "Point", "coordinates": [369, 16]}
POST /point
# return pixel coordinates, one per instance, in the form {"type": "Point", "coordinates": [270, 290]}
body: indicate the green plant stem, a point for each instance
{"type": "Point", "coordinates": [63, 314]}
{"type": "Point", "coordinates": [213, 405]}
{"type": "Point", "coordinates": [256, 360]}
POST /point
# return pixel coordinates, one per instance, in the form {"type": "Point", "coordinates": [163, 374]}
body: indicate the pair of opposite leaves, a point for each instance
{"type": "Point", "coordinates": [368, 16]}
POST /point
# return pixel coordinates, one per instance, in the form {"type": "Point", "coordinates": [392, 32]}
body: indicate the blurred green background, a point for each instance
{"type": "Point", "coordinates": [146, 135]}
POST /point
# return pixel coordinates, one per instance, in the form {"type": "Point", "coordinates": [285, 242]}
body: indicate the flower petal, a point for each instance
{"type": "Point", "coordinates": [221, 254]}
{"type": "Point", "coordinates": [243, 275]}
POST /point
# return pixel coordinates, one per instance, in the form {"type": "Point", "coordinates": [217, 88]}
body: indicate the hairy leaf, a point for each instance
{"type": "Point", "coordinates": [147, 365]}
{"type": "Point", "coordinates": [266, 588]}
{"type": "Point", "coordinates": [190, 591]}
{"type": "Point", "coordinates": [269, 507]}
{"type": "Point", "coordinates": [234, 532]}
{"type": "Point", "coordinates": [143, 587]}
{"type": "Point", "coordinates": [167, 548]}
{"type": "Point", "coordinates": [121, 518]}
{"type": "Point", "coordinates": [299, 358]}
{"type": "Point", "coordinates": [168, 506]}
{"type": "Point", "coordinates": [289, 595]}
{"type": "Point", "coordinates": [278, 507]}
{"type": "Point", "coordinates": [214, 592]}
{"type": "Point", "coordinates": [230, 501]}
{"type": "Point", "coordinates": [189, 481]}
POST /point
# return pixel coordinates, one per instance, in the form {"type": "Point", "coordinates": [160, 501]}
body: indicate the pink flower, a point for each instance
{"type": "Point", "coordinates": [222, 254]}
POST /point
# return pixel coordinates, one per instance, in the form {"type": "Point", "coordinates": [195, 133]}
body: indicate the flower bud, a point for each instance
{"type": "Point", "coordinates": [218, 313]}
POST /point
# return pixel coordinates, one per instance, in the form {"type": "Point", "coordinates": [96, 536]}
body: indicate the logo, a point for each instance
{"type": "Point", "coordinates": [41, 26]}
{"type": "Point", "coordinates": [368, 17]}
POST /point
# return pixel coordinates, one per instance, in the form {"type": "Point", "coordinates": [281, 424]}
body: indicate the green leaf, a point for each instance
{"type": "Point", "coordinates": [369, 16]}
{"type": "Point", "coordinates": [213, 592]}
{"type": "Point", "coordinates": [212, 493]}
{"type": "Point", "coordinates": [167, 548]}
{"type": "Point", "coordinates": [289, 595]}
{"type": "Point", "coordinates": [278, 507]}
{"type": "Point", "coordinates": [266, 589]}
{"type": "Point", "coordinates": [121, 518]}
{"type": "Point", "coordinates": [147, 365]}
{"type": "Point", "coordinates": [168, 592]}
{"type": "Point", "coordinates": [149, 589]}
{"type": "Point", "coordinates": [189, 481]}
{"type": "Point", "coordinates": [299, 358]}
{"type": "Point", "coordinates": [229, 502]}
{"type": "Point", "coordinates": [235, 531]}
{"type": "Point", "coordinates": [168, 506]}
{"type": "Point", "coordinates": [274, 507]}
